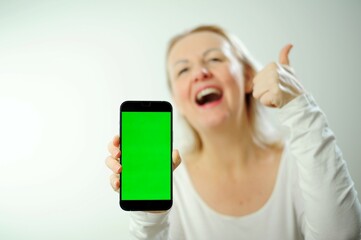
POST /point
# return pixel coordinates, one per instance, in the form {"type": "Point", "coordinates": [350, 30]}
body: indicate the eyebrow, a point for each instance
{"type": "Point", "coordinates": [180, 61]}
{"type": "Point", "coordinates": [211, 50]}
{"type": "Point", "coordinates": [204, 54]}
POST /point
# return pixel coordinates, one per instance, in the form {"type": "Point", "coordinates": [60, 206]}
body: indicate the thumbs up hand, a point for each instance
{"type": "Point", "coordinates": [276, 84]}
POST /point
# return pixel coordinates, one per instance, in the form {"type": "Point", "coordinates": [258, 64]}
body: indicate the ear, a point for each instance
{"type": "Point", "coordinates": [249, 74]}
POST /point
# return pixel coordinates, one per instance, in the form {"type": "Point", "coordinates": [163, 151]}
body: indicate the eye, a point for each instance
{"type": "Point", "coordinates": [183, 70]}
{"type": "Point", "coordinates": [215, 59]}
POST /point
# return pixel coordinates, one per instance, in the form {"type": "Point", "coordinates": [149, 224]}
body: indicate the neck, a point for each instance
{"type": "Point", "coordinates": [228, 147]}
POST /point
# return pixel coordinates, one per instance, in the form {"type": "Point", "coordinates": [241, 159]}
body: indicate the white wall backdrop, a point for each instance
{"type": "Point", "coordinates": [65, 67]}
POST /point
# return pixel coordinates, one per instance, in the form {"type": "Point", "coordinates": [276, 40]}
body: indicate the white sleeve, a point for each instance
{"type": "Point", "coordinates": [150, 226]}
{"type": "Point", "coordinates": [331, 207]}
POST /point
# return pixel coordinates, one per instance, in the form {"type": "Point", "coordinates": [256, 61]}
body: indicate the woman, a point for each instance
{"type": "Point", "coordinates": [239, 182]}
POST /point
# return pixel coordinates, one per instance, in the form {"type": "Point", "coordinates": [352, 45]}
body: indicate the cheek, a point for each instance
{"type": "Point", "coordinates": [179, 90]}
{"type": "Point", "coordinates": [233, 76]}
{"type": "Point", "coordinates": [239, 80]}
{"type": "Point", "coordinates": [234, 80]}
{"type": "Point", "coordinates": [237, 72]}
{"type": "Point", "coordinates": [180, 94]}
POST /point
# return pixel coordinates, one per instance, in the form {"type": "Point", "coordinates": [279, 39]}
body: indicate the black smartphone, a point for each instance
{"type": "Point", "coordinates": [146, 155]}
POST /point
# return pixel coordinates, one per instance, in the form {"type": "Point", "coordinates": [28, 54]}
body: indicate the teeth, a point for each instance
{"type": "Point", "coordinates": [206, 92]}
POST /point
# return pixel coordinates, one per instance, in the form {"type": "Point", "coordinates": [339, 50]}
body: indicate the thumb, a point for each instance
{"type": "Point", "coordinates": [283, 58]}
{"type": "Point", "coordinates": [176, 159]}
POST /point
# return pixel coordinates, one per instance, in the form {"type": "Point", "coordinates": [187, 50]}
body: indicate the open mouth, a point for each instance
{"type": "Point", "coordinates": [208, 95]}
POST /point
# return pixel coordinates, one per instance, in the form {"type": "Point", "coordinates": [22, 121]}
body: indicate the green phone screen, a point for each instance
{"type": "Point", "coordinates": [146, 156]}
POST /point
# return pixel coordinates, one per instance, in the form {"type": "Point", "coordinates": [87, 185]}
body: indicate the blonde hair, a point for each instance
{"type": "Point", "coordinates": [264, 132]}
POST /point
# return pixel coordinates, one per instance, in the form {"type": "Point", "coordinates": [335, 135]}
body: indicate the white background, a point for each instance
{"type": "Point", "coordinates": [65, 67]}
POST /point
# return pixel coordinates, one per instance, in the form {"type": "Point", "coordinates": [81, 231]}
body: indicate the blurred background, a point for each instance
{"type": "Point", "coordinates": [66, 66]}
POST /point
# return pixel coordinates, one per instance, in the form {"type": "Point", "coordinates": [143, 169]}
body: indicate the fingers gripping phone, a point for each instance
{"type": "Point", "coordinates": [146, 155]}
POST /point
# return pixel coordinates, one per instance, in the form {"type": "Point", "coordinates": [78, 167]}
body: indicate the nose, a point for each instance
{"type": "Point", "coordinates": [202, 74]}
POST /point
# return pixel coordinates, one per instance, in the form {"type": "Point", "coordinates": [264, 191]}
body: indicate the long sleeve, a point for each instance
{"type": "Point", "coordinates": [149, 226]}
{"type": "Point", "coordinates": [331, 207]}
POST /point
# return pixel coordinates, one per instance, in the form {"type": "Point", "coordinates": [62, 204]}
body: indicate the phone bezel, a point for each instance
{"type": "Point", "coordinates": [146, 106]}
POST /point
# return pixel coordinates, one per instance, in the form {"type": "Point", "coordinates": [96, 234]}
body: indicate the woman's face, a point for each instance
{"type": "Point", "coordinates": [207, 80]}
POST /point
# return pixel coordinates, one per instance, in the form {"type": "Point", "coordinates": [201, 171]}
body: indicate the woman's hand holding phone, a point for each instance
{"type": "Point", "coordinates": [112, 161]}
